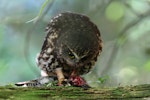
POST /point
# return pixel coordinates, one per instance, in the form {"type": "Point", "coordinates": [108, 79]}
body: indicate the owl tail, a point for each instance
{"type": "Point", "coordinates": [38, 82]}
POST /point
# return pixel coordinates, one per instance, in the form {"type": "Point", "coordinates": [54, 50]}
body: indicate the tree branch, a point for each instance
{"type": "Point", "coordinates": [63, 93]}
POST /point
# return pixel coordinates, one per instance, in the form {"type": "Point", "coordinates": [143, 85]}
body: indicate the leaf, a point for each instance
{"type": "Point", "coordinates": [103, 79]}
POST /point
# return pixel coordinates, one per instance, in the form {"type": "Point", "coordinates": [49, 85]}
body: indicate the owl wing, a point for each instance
{"type": "Point", "coordinates": [45, 44]}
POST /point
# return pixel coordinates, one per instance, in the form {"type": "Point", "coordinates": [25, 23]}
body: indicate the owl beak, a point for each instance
{"type": "Point", "coordinates": [77, 61]}
{"type": "Point", "coordinates": [77, 64]}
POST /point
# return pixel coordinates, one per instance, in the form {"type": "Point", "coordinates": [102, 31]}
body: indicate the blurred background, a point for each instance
{"type": "Point", "coordinates": [124, 27]}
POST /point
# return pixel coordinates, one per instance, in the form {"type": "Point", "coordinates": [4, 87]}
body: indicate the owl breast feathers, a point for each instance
{"type": "Point", "coordinates": [72, 45]}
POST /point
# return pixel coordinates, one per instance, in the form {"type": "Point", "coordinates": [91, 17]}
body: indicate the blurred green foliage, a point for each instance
{"type": "Point", "coordinates": [1, 33]}
{"type": "Point", "coordinates": [147, 66]}
{"type": "Point", "coordinates": [115, 11]}
{"type": "Point", "coordinates": [124, 27]}
{"type": "Point", "coordinates": [3, 67]}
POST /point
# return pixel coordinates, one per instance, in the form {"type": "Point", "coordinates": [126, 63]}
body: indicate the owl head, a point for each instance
{"type": "Point", "coordinates": [78, 42]}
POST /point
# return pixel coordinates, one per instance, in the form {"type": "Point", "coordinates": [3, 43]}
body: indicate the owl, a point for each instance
{"type": "Point", "coordinates": [70, 48]}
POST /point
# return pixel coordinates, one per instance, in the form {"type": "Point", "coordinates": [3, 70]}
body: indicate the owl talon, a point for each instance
{"type": "Point", "coordinates": [65, 82]}
{"type": "Point", "coordinates": [60, 81]}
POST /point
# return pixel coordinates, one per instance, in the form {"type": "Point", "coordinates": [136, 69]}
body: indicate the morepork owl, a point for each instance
{"type": "Point", "coordinates": [70, 48]}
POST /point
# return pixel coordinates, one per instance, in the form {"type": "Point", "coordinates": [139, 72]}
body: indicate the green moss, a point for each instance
{"type": "Point", "coordinates": [75, 93]}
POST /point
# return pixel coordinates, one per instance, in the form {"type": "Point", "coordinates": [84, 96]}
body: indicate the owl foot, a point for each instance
{"type": "Point", "coordinates": [60, 76]}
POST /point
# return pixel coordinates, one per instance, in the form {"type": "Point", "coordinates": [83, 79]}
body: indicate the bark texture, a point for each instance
{"type": "Point", "coordinates": [76, 93]}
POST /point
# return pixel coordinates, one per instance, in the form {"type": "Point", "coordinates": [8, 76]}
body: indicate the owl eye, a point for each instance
{"type": "Point", "coordinates": [71, 55]}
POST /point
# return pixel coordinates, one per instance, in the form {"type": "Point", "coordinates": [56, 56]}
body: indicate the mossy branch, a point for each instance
{"type": "Point", "coordinates": [63, 93]}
